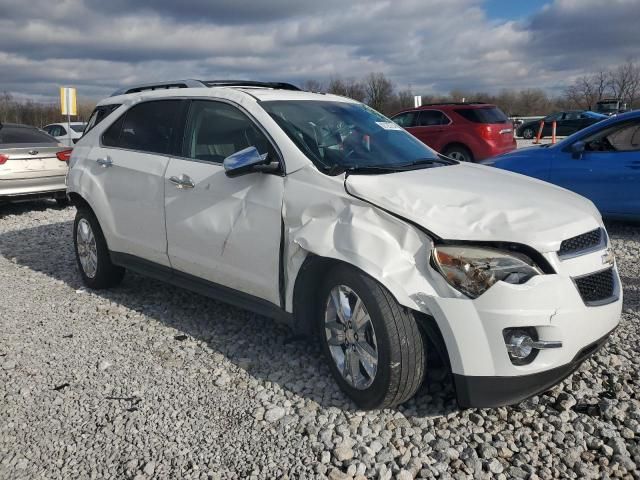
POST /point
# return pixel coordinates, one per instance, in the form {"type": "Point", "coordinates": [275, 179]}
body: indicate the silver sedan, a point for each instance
{"type": "Point", "coordinates": [33, 164]}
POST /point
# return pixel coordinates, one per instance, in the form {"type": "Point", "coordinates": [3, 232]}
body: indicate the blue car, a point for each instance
{"type": "Point", "coordinates": [601, 162]}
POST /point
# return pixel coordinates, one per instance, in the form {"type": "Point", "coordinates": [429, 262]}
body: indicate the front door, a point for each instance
{"type": "Point", "coordinates": [608, 172]}
{"type": "Point", "coordinates": [225, 230]}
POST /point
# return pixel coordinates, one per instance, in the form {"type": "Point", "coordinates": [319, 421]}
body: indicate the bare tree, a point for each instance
{"type": "Point", "coordinates": [379, 90]}
{"type": "Point", "coordinates": [312, 85]}
{"type": "Point", "coordinates": [625, 82]}
{"type": "Point", "coordinates": [347, 88]}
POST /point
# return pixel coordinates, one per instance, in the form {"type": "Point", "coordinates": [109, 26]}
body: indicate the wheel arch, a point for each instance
{"type": "Point", "coordinates": [458, 143]}
{"type": "Point", "coordinates": [79, 201]}
{"type": "Point", "coordinates": [305, 303]}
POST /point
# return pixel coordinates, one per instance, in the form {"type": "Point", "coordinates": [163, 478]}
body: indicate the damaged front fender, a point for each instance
{"type": "Point", "coordinates": [322, 219]}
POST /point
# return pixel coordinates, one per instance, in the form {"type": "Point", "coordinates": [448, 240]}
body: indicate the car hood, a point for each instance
{"type": "Point", "coordinates": [480, 203]}
{"type": "Point", "coordinates": [526, 153]}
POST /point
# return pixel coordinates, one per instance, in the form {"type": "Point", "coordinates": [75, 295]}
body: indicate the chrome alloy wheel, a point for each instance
{"type": "Point", "coordinates": [459, 156]}
{"type": "Point", "coordinates": [351, 337]}
{"type": "Point", "coordinates": [87, 249]}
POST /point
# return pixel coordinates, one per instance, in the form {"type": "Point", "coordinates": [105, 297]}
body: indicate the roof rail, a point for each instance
{"type": "Point", "coordinates": [453, 103]}
{"type": "Point", "coordinates": [190, 83]}
{"type": "Point", "coordinates": [250, 83]}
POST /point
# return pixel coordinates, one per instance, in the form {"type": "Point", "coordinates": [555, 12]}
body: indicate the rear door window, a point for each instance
{"type": "Point", "coordinates": [147, 127]}
{"type": "Point", "coordinates": [24, 135]}
{"type": "Point", "coordinates": [483, 115]}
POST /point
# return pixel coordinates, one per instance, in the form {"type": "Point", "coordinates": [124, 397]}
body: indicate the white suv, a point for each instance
{"type": "Point", "coordinates": [317, 210]}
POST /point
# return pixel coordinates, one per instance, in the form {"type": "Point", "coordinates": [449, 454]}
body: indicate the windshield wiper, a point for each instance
{"type": "Point", "coordinates": [441, 160]}
{"type": "Point", "coordinates": [402, 167]}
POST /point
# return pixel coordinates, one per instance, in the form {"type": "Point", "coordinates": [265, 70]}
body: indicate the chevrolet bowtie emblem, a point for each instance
{"type": "Point", "coordinates": [608, 258]}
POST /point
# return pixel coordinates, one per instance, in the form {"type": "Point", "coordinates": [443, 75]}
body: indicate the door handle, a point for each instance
{"type": "Point", "coordinates": [104, 162]}
{"type": "Point", "coordinates": [183, 181]}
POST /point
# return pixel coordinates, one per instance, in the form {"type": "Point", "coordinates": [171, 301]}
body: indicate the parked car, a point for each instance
{"type": "Point", "coordinates": [66, 133]}
{"type": "Point", "coordinates": [601, 162]}
{"type": "Point", "coordinates": [33, 164]}
{"type": "Point", "coordinates": [467, 132]}
{"type": "Point", "coordinates": [316, 210]}
{"type": "Point", "coordinates": [567, 123]}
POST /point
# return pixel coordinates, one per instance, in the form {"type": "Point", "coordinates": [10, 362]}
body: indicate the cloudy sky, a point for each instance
{"type": "Point", "coordinates": [431, 45]}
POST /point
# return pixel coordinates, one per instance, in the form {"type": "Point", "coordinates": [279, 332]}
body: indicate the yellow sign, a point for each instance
{"type": "Point", "coordinates": [68, 104]}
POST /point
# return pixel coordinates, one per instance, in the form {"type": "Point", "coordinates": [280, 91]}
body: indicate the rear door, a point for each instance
{"type": "Point", "coordinates": [128, 166]}
{"type": "Point", "coordinates": [608, 172]}
{"type": "Point", "coordinates": [225, 230]}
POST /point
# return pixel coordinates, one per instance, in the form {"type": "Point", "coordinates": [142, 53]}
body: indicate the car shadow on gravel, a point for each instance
{"type": "Point", "coordinates": [264, 349]}
{"type": "Point", "coordinates": [9, 209]}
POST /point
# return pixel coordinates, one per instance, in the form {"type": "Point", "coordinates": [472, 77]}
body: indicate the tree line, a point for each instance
{"type": "Point", "coordinates": [621, 82]}
{"type": "Point", "coordinates": [38, 114]}
{"type": "Point", "coordinates": [381, 93]}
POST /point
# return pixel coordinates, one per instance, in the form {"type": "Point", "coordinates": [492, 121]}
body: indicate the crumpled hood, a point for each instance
{"type": "Point", "coordinates": [475, 202]}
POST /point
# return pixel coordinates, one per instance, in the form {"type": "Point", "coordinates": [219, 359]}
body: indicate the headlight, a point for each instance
{"type": "Point", "coordinates": [472, 270]}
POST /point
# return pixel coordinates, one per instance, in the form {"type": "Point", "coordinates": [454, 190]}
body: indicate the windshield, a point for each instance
{"type": "Point", "coordinates": [348, 135]}
{"type": "Point", "coordinates": [78, 128]}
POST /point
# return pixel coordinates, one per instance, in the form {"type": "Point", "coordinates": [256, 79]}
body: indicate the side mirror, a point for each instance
{"type": "Point", "coordinates": [577, 149]}
{"type": "Point", "coordinates": [247, 161]}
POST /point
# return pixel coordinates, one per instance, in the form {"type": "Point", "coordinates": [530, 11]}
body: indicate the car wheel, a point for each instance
{"type": "Point", "coordinates": [528, 133]}
{"type": "Point", "coordinates": [459, 153]}
{"type": "Point", "coordinates": [373, 346]}
{"type": "Point", "coordinates": [92, 254]}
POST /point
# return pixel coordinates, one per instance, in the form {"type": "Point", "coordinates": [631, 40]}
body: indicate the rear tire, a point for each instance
{"type": "Point", "coordinates": [92, 253]}
{"type": "Point", "coordinates": [379, 326]}
{"type": "Point", "coordinates": [459, 153]}
{"type": "Point", "coordinates": [528, 133]}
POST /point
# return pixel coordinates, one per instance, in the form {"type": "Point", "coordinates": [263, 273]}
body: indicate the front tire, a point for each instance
{"type": "Point", "coordinates": [92, 254]}
{"type": "Point", "coordinates": [372, 344]}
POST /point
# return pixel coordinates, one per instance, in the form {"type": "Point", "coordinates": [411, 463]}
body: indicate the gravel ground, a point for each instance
{"type": "Point", "coordinates": [150, 381]}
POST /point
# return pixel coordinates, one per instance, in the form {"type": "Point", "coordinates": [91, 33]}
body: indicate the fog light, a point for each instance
{"type": "Point", "coordinates": [520, 345]}
{"type": "Point", "coordinates": [523, 344]}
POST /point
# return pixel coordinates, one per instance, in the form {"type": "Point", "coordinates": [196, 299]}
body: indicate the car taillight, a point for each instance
{"type": "Point", "coordinates": [3, 159]}
{"type": "Point", "coordinates": [486, 132]}
{"type": "Point", "coordinates": [64, 155]}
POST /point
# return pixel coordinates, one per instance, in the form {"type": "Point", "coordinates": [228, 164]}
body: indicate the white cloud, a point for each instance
{"type": "Point", "coordinates": [433, 46]}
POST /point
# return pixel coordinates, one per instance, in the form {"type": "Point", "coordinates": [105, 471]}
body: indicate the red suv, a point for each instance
{"type": "Point", "coordinates": [463, 131]}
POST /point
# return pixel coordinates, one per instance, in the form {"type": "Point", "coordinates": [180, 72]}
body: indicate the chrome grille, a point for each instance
{"type": "Point", "coordinates": [582, 244]}
{"type": "Point", "coordinates": [597, 288]}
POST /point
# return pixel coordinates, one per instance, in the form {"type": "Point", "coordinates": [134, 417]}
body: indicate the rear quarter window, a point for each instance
{"type": "Point", "coordinates": [99, 114]}
{"type": "Point", "coordinates": [483, 115]}
{"type": "Point", "coordinates": [25, 135]}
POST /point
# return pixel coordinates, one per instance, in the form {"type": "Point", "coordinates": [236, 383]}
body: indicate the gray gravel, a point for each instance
{"type": "Point", "coordinates": [150, 381]}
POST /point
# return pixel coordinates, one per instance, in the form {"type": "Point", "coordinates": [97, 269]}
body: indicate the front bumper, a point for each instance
{"type": "Point", "coordinates": [472, 331]}
{"type": "Point", "coordinates": [491, 392]}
